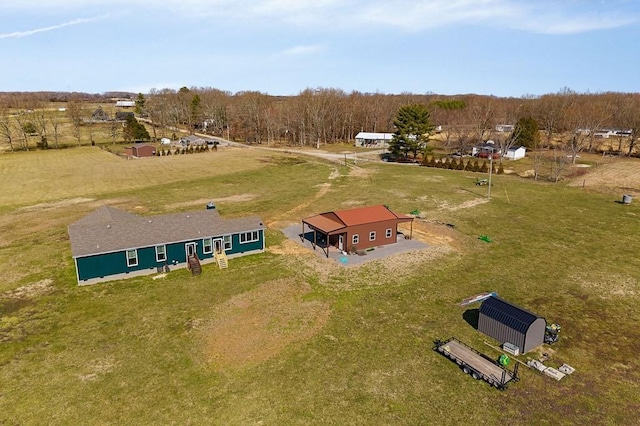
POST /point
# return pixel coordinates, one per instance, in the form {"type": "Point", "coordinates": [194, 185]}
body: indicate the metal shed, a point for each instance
{"type": "Point", "coordinates": [507, 322]}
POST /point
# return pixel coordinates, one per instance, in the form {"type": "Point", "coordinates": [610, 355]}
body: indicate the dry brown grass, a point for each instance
{"type": "Point", "coordinates": [255, 326]}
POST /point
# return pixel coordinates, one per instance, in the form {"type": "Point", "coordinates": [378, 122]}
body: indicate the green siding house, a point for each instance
{"type": "Point", "coordinates": [111, 244]}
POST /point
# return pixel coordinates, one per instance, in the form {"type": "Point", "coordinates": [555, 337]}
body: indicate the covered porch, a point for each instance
{"type": "Point", "coordinates": [324, 232]}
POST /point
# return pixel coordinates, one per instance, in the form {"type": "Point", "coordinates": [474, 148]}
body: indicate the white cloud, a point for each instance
{"type": "Point", "coordinates": [540, 16]}
{"type": "Point", "coordinates": [19, 34]}
{"type": "Point", "coordinates": [300, 50]}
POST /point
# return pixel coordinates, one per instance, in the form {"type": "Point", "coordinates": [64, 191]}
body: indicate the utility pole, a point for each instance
{"type": "Point", "coordinates": [490, 172]}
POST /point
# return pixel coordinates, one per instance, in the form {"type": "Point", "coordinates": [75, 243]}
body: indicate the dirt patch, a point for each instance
{"type": "Point", "coordinates": [30, 290]}
{"type": "Point", "coordinates": [203, 201]}
{"type": "Point", "coordinates": [360, 172]}
{"type": "Point", "coordinates": [57, 204]}
{"type": "Point", "coordinates": [287, 247]}
{"type": "Point", "coordinates": [608, 286]}
{"type": "Point", "coordinates": [335, 174]}
{"type": "Point", "coordinates": [256, 326]}
{"type": "Point", "coordinates": [465, 205]}
{"type": "Point", "coordinates": [97, 368]}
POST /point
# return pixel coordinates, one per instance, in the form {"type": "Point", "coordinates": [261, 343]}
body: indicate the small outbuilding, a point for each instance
{"type": "Point", "coordinates": [139, 150]}
{"type": "Point", "coordinates": [508, 323]}
{"type": "Point", "coordinates": [516, 153]}
{"type": "Point", "coordinates": [355, 229]}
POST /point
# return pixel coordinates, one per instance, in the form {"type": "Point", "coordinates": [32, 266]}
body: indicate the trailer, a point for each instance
{"type": "Point", "coordinates": [476, 364]}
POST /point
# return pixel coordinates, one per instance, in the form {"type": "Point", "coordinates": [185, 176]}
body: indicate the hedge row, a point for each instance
{"type": "Point", "coordinates": [471, 165]}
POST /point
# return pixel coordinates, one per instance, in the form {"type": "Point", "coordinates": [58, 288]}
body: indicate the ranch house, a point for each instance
{"type": "Point", "coordinates": [355, 229]}
{"type": "Point", "coordinates": [111, 244]}
{"type": "Point", "coordinates": [373, 140]}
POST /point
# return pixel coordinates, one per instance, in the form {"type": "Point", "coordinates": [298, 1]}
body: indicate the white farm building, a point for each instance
{"type": "Point", "coordinates": [373, 140]}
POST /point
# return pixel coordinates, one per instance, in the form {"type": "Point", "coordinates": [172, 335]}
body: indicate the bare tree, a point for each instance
{"type": "Point", "coordinates": [74, 112]}
{"type": "Point", "coordinates": [6, 127]}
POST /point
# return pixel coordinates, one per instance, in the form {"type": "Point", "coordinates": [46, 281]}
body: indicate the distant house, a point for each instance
{"type": "Point", "coordinates": [515, 153]}
{"type": "Point", "coordinates": [125, 104]}
{"type": "Point", "coordinates": [355, 229]}
{"type": "Point", "coordinates": [111, 244]}
{"type": "Point", "coordinates": [100, 115]}
{"type": "Point", "coordinates": [124, 115]}
{"type": "Point", "coordinates": [486, 150]}
{"type": "Point", "coordinates": [373, 140]}
{"type": "Point", "coordinates": [192, 140]}
{"type": "Point", "coordinates": [140, 150]}
{"type": "Point", "coordinates": [505, 128]}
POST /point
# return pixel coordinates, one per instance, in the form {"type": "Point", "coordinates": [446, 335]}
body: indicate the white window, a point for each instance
{"type": "Point", "coordinates": [372, 236]}
{"type": "Point", "coordinates": [355, 239]}
{"type": "Point", "coordinates": [227, 242]}
{"type": "Point", "coordinates": [207, 246]}
{"type": "Point", "coordinates": [389, 233]}
{"type": "Point", "coordinates": [249, 237]}
{"type": "Point", "coordinates": [132, 258]}
{"type": "Point", "coordinates": [161, 253]}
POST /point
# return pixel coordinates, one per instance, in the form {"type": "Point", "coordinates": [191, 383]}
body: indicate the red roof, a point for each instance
{"type": "Point", "coordinates": [364, 215]}
{"type": "Point", "coordinates": [333, 221]}
{"type": "Point", "coordinates": [328, 222]}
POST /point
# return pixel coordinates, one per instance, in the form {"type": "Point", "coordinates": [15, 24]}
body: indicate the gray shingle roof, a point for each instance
{"type": "Point", "coordinates": [108, 229]}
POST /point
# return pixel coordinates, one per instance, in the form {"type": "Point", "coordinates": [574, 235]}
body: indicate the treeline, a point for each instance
{"type": "Point", "coordinates": [327, 115]}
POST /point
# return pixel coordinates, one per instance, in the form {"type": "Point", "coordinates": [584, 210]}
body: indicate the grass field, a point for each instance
{"type": "Point", "coordinates": [284, 337]}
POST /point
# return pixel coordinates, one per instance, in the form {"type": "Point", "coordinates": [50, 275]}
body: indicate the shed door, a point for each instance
{"type": "Point", "coordinates": [190, 249]}
{"type": "Point", "coordinates": [341, 242]}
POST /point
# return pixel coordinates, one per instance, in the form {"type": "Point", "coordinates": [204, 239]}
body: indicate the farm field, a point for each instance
{"type": "Point", "coordinates": [285, 337]}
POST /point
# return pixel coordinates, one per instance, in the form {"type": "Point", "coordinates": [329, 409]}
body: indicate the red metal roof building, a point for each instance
{"type": "Point", "coordinates": [354, 229]}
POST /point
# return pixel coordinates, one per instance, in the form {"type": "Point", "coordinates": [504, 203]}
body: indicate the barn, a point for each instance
{"type": "Point", "coordinates": [140, 150]}
{"type": "Point", "coordinates": [354, 229]}
{"type": "Point", "coordinates": [111, 244]}
{"type": "Point", "coordinates": [508, 323]}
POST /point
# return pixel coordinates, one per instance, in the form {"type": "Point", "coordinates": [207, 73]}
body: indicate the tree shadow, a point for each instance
{"type": "Point", "coordinates": [471, 317]}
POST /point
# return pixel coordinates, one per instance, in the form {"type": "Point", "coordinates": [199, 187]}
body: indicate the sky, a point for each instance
{"type": "Point", "coordinates": [506, 48]}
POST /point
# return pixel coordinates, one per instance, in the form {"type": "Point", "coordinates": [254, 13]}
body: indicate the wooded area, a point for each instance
{"type": "Point", "coordinates": [326, 115]}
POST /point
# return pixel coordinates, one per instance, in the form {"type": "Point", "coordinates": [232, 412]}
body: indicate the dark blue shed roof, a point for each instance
{"type": "Point", "coordinates": [508, 314]}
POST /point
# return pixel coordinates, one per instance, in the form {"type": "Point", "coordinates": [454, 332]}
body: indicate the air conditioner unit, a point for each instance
{"type": "Point", "coordinates": [511, 348]}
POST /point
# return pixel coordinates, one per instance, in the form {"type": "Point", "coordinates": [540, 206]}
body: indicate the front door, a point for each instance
{"type": "Point", "coordinates": [190, 249]}
{"type": "Point", "coordinates": [217, 246]}
{"type": "Point", "coordinates": [341, 242]}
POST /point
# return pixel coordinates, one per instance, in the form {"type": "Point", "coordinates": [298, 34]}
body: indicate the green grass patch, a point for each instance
{"type": "Point", "coordinates": [132, 351]}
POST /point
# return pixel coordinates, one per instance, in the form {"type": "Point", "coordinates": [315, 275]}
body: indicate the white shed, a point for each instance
{"type": "Point", "coordinates": [165, 141]}
{"type": "Point", "coordinates": [516, 153]}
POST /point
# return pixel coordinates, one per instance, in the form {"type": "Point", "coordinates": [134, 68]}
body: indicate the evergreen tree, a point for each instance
{"type": "Point", "coordinates": [134, 131]}
{"type": "Point", "coordinates": [413, 129]}
{"type": "Point", "coordinates": [140, 108]}
{"type": "Point", "coordinates": [526, 133]}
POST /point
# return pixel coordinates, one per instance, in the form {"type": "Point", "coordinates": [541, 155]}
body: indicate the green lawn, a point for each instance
{"type": "Point", "coordinates": [138, 351]}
